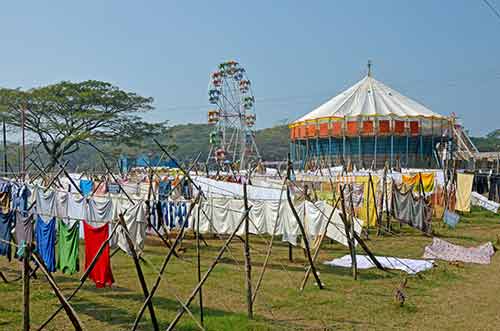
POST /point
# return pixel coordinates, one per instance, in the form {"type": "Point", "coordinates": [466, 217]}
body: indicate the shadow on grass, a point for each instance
{"type": "Point", "coordinates": [116, 315]}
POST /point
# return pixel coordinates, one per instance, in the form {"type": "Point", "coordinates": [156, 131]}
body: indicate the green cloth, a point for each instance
{"type": "Point", "coordinates": [67, 246]}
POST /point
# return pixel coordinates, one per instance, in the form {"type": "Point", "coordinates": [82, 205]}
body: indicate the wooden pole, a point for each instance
{"type": "Point", "coordinates": [368, 251]}
{"type": "Point", "coordinates": [56, 177]}
{"type": "Point", "coordinates": [77, 324]}
{"type": "Point", "coordinates": [301, 226]}
{"type": "Point", "coordinates": [368, 210]}
{"type": "Point", "coordinates": [26, 287]}
{"type": "Point", "coordinates": [386, 197]}
{"type": "Point", "coordinates": [198, 260]}
{"type": "Point", "coordinates": [268, 254]}
{"type": "Point", "coordinates": [316, 252]}
{"type": "Point", "coordinates": [370, 178]}
{"type": "Point", "coordinates": [351, 226]}
{"type": "Point", "coordinates": [23, 139]}
{"type": "Point", "coordinates": [348, 236]}
{"type": "Point", "coordinates": [207, 273]}
{"type": "Point", "coordinates": [138, 269]}
{"type": "Point", "coordinates": [248, 263]}
{"type": "Point", "coordinates": [148, 206]}
{"type": "Point", "coordinates": [4, 133]}
{"type": "Point", "coordinates": [154, 288]}
{"type": "Point", "coordinates": [304, 237]}
{"type": "Point", "coordinates": [83, 277]}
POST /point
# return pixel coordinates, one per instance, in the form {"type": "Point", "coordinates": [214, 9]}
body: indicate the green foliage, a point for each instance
{"type": "Point", "coordinates": [490, 143]}
{"type": "Point", "coordinates": [64, 115]}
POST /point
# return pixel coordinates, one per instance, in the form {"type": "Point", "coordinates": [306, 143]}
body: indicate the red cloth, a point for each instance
{"type": "Point", "coordinates": [94, 237]}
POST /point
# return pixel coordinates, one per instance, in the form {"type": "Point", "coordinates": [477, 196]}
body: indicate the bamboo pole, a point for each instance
{"type": "Point", "coordinates": [154, 288]}
{"type": "Point", "coordinates": [348, 236]}
{"type": "Point", "coordinates": [83, 277]}
{"type": "Point", "coordinates": [316, 253]}
{"type": "Point", "coordinates": [370, 179]}
{"type": "Point", "coordinates": [386, 197]}
{"type": "Point", "coordinates": [248, 263]}
{"type": "Point", "coordinates": [268, 254]}
{"type": "Point", "coordinates": [138, 269]}
{"type": "Point", "coordinates": [26, 287]}
{"type": "Point", "coordinates": [148, 206]}
{"type": "Point", "coordinates": [198, 261]}
{"type": "Point", "coordinates": [304, 236]}
{"type": "Point", "coordinates": [77, 324]}
{"type": "Point", "coordinates": [207, 273]}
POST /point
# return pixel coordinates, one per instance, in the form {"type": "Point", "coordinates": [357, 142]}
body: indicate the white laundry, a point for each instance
{"type": "Point", "coordinates": [481, 201]}
{"type": "Point", "coordinates": [221, 215]}
{"type": "Point", "coordinates": [410, 266]}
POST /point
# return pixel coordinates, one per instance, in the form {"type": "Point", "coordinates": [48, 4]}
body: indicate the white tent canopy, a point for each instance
{"type": "Point", "coordinates": [367, 98]}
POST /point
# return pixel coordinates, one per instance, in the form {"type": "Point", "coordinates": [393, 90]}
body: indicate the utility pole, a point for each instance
{"type": "Point", "coordinates": [4, 145]}
{"type": "Point", "coordinates": [23, 147]}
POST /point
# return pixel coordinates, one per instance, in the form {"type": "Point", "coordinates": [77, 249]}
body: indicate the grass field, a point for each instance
{"type": "Point", "coordinates": [448, 297]}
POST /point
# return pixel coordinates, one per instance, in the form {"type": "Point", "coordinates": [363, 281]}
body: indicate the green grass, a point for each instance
{"type": "Point", "coordinates": [447, 297]}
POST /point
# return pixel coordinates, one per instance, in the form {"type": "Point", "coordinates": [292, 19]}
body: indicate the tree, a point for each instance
{"type": "Point", "coordinates": [66, 114]}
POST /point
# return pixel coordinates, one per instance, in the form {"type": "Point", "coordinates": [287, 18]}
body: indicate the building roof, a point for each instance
{"type": "Point", "coordinates": [369, 97]}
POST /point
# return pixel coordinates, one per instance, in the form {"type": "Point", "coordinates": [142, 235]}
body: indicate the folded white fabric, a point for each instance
{"type": "Point", "coordinates": [409, 266]}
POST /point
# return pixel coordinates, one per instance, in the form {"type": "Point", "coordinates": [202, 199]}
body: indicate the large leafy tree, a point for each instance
{"type": "Point", "coordinates": [64, 115]}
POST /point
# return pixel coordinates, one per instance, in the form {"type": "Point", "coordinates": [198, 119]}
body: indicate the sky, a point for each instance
{"type": "Point", "coordinates": [298, 54]}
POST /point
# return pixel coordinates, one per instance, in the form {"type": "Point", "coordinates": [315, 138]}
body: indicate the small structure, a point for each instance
{"type": "Point", "coordinates": [371, 124]}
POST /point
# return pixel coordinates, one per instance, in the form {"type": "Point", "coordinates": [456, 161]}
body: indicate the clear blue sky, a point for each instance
{"type": "Point", "coordinates": [298, 54]}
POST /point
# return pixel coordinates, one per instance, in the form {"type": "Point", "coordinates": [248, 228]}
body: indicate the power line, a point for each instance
{"type": "Point", "coordinates": [493, 9]}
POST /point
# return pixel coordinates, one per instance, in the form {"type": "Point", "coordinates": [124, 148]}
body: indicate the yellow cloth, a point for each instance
{"type": "Point", "coordinates": [4, 202]}
{"type": "Point", "coordinates": [464, 189]}
{"type": "Point", "coordinates": [363, 213]}
{"type": "Point", "coordinates": [427, 181]}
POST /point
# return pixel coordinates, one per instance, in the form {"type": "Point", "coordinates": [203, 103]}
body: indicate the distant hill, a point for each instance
{"type": "Point", "coordinates": [189, 140]}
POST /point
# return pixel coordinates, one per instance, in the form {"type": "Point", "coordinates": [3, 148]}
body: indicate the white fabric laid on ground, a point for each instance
{"type": "Point", "coordinates": [481, 201]}
{"type": "Point", "coordinates": [409, 266]}
{"type": "Point", "coordinates": [443, 250]}
{"type": "Point", "coordinates": [221, 215]}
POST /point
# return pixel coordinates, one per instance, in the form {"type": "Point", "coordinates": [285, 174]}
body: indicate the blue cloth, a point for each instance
{"type": "Point", "coordinates": [86, 186]}
{"type": "Point", "coordinates": [5, 186]}
{"type": "Point", "coordinates": [164, 210]}
{"type": "Point", "coordinates": [171, 214]}
{"type": "Point", "coordinates": [5, 234]}
{"type": "Point", "coordinates": [46, 242]}
{"type": "Point", "coordinates": [20, 195]}
{"type": "Point", "coordinates": [186, 189]}
{"type": "Point", "coordinates": [164, 189]}
{"type": "Point", "coordinates": [450, 218]}
{"type": "Point", "coordinates": [181, 214]}
{"type": "Point", "coordinates": [113, 188]}
{"type": "Point", "coordinates": [184, 214]}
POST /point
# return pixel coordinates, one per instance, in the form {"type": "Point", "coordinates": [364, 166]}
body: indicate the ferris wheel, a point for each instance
{"type": "Point", "coordinates": [232, 140]}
